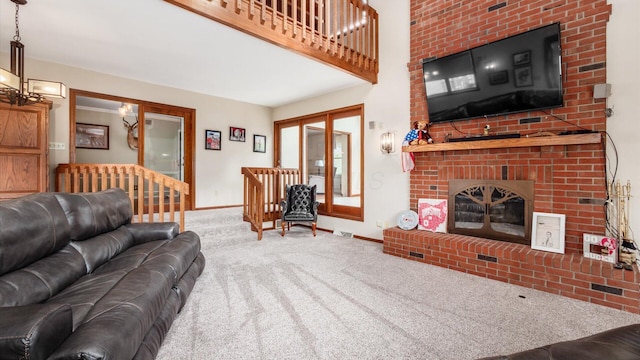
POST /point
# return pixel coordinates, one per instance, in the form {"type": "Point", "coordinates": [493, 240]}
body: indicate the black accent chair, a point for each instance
{"type": "Point", "coordinates": [300, 205]}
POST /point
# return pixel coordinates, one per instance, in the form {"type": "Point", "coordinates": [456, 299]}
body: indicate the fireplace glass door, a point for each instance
{"type": "Point", "coordinates": [493, 209]}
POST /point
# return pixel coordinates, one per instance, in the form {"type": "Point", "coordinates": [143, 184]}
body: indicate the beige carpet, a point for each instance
{"type": "Point", "coordinates": [329, 297]}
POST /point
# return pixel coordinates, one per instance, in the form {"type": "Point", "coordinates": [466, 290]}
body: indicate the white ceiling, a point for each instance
{"type": "Point", "coordinates": [156, 42]}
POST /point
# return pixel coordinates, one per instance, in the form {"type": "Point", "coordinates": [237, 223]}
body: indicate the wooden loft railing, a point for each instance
{"type": "Point", "coordinates": [340, 33]}
{"type": "Point", "coordinates": [148, 190]}
{"type": "Point", "coordinates": [264, 188]}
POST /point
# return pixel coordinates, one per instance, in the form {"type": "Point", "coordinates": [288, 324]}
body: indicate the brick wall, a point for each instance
{"type": "Point", "coordinates": [568, 179]}
{"type": "Point", "coordinates": [570, 275]}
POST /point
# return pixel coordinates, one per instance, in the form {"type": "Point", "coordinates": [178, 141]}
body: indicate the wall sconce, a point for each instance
{"type": "Point", "coordinates": [387, 142]}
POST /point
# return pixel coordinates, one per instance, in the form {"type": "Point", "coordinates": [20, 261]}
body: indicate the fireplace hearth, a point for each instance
{"type": "Point", "coordinates": [492, 209]}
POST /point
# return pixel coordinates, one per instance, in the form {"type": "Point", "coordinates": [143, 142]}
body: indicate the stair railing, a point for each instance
{"type": "Point", "coordinates": [144, 187]}
{"type": "Point", "coordinates": [341, 33]}
{"type": "Point", "coordinates": [264, 189]}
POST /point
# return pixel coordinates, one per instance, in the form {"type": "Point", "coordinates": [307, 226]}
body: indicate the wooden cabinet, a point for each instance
{"type": "Point", "coordinates": [24, 139]}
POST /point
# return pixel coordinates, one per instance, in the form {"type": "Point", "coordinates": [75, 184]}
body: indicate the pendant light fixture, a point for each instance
{"type": "Point", "coordinates": [13, 88]}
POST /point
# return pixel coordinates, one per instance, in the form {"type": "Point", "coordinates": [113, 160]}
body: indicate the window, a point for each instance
{"type": "Point", "coordinates": [334, 162]}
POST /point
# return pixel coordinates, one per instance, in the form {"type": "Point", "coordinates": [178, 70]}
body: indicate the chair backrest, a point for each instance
{"type": "Point", "coordinates": [300, 198]}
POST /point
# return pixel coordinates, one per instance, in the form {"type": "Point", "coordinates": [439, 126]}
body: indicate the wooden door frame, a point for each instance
{"type": "Point", "coordinates": [188, 114]}
{"type": "Point", "coordinates": [327, 208]}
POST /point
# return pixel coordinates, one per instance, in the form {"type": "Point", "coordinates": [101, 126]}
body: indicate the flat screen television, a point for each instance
{"type": "Point", "coordinates": [517, 74]}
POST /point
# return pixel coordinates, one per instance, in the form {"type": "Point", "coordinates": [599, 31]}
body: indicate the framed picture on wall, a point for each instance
{"type": "Point", "coordinates": [522, 58]}
{"type": "Point", "coordinates": [522, 76]}
{"type": "Point", "coordinates": [547, 232]}
{"type": "Point", "coordinates": [259, 143]}
{"type": "Point", "coordinates": [212, 140]}
{"type": "Point", "coordinates": [236, 134]}
{"type": "Point", "coordinates": [90, 136]}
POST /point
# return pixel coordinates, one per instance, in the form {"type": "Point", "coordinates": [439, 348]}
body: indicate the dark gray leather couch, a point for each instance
{"type": "Point", "coordinates": [621, 343]}
{"type": "Point", "coordinates": [79, 281]}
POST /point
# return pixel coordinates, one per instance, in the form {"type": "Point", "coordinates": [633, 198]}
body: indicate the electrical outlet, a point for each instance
{"type": "Point", "coordinates": [57, 146]}
{"type": "Point", "coordinates": [379, 223]}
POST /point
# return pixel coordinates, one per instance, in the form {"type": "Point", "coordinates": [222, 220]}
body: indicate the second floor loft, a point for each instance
{"type": "Point", "coordinates": [339, 33]}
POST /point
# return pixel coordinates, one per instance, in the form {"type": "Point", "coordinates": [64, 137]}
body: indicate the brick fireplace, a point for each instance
{"type": "Point", "coordinates": [567, 179]}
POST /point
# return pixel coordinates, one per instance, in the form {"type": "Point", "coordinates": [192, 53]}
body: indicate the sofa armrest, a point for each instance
{"type": "Point", "coordinates": [145, 232]}
{"type": "Point", "coordinates": [33, 331]}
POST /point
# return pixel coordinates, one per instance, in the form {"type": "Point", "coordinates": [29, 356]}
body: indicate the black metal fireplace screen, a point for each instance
{"type": "Point", "coordinates": [493, 209]}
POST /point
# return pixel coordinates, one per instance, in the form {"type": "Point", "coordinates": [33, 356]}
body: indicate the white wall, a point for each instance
{"type": "Point", "coordinates": [118, 152]}
{"type": "Point", "coordinates": [218, 180]}
{"type": "Point", "coordinates": [386, 187]}
{"type": "Point", "coordinates": [623, 73]}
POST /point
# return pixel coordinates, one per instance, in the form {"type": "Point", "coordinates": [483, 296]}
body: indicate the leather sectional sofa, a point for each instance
{"type": "Point", "coordinates": [78, 280]}
{"type": "Point", "coordinates": [621, 343]}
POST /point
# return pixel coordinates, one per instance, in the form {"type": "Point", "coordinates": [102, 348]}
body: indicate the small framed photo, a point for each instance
{"type": "Point", "coordinates": [522, 76]}
{"type": "Point", "coordinates": [90, 136]}
{"type": "Point", "coordinates": [236, 134]}
{"type": "Point", "coordinates": [212, 140]}
{"type": "Point", "coordinates": [548, 232]}
{"type": "Point", "coordinates": [432, 215]}
{"type": "Point", "coordinates": [522, 58]}
{"type": "Point", "coordinates": [259, 143]}
{"type": "Point", "coordinates": [498, 77]}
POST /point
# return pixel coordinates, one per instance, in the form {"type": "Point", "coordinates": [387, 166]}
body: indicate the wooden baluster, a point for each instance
{"type": "Point", "coordinates": [161, 200]}
{"type": "Point", "coordinates": [303, 15]}
{"type": "Point", "coordinates": [151, 186]}
{"type": "Point", "coordinates": [252, 9]}
{"type": "Point", "coordinates": [263, 12]}
{"type": "Point", "coordinates": [312, 21]}
{"type": "Point", "coordinates": [341, 27]}
{"type": "Point", "coordinates": [327, 25]}
{"type": "Point", "coordinates": [358, 34]}
{"type": "Point", "coordinates": [141, 195]}
{"type": "Point", "coordinates": [285, 22]}
{"type": "Point", "coordinates": [269, 195]}
{"type": "Point", "coordinates": [349, 37]}
{"type": "Point", "coordinates": [172, 202]}
{"type": "Point", "coordinates": [129, 177]}
{"type": "Point", "coordinates": [274, 10]}
{"type": "Point", "coordinates": [68, 179]}
{"type": "Point", "coordinates": [320, 25]}
{"type": "Point", "coordinates": [294, 17]}
{"type": "Point", "coordinates": [182, 208]}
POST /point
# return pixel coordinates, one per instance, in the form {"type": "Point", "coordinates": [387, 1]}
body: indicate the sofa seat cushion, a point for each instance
{"type": "Point", "coordinates": [124, 296]}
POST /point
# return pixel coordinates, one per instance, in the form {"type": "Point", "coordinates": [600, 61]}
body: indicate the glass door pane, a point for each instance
{"type": "Point", "coordinates": [315, 162]}
{"type": "Point", "coordinates": [163, 144]}
{"type": "Point", "coordinates": [289, 147]}
{"type": "Point", "coordinates": [346, 161]}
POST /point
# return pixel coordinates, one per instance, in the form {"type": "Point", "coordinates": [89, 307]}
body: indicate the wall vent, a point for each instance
{"type": "Point", "coordinates": [343, 233]}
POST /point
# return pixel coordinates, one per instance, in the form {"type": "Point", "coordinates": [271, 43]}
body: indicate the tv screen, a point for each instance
{"type": "Point", "coordinates": [517, 74]}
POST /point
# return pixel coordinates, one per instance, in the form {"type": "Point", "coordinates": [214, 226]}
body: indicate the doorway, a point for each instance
{"type": "Point", "coordinates": [328, 150]}
{"type": "Point", "coordinates": [157, 136]}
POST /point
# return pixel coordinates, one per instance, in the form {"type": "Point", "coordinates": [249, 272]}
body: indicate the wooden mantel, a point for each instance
{"type": "Point", "coordinates": [590, 138]}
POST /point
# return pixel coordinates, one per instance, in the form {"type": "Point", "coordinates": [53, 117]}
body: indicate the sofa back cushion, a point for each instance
{"type": "Point", "coordinates": [37, 282]}
{"type": "Point", "coordinates": [102, 248]}
{"type": "Point", "coordinates": [31, 227]}
{"type": "Point", "coordinates": [91, 214]}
